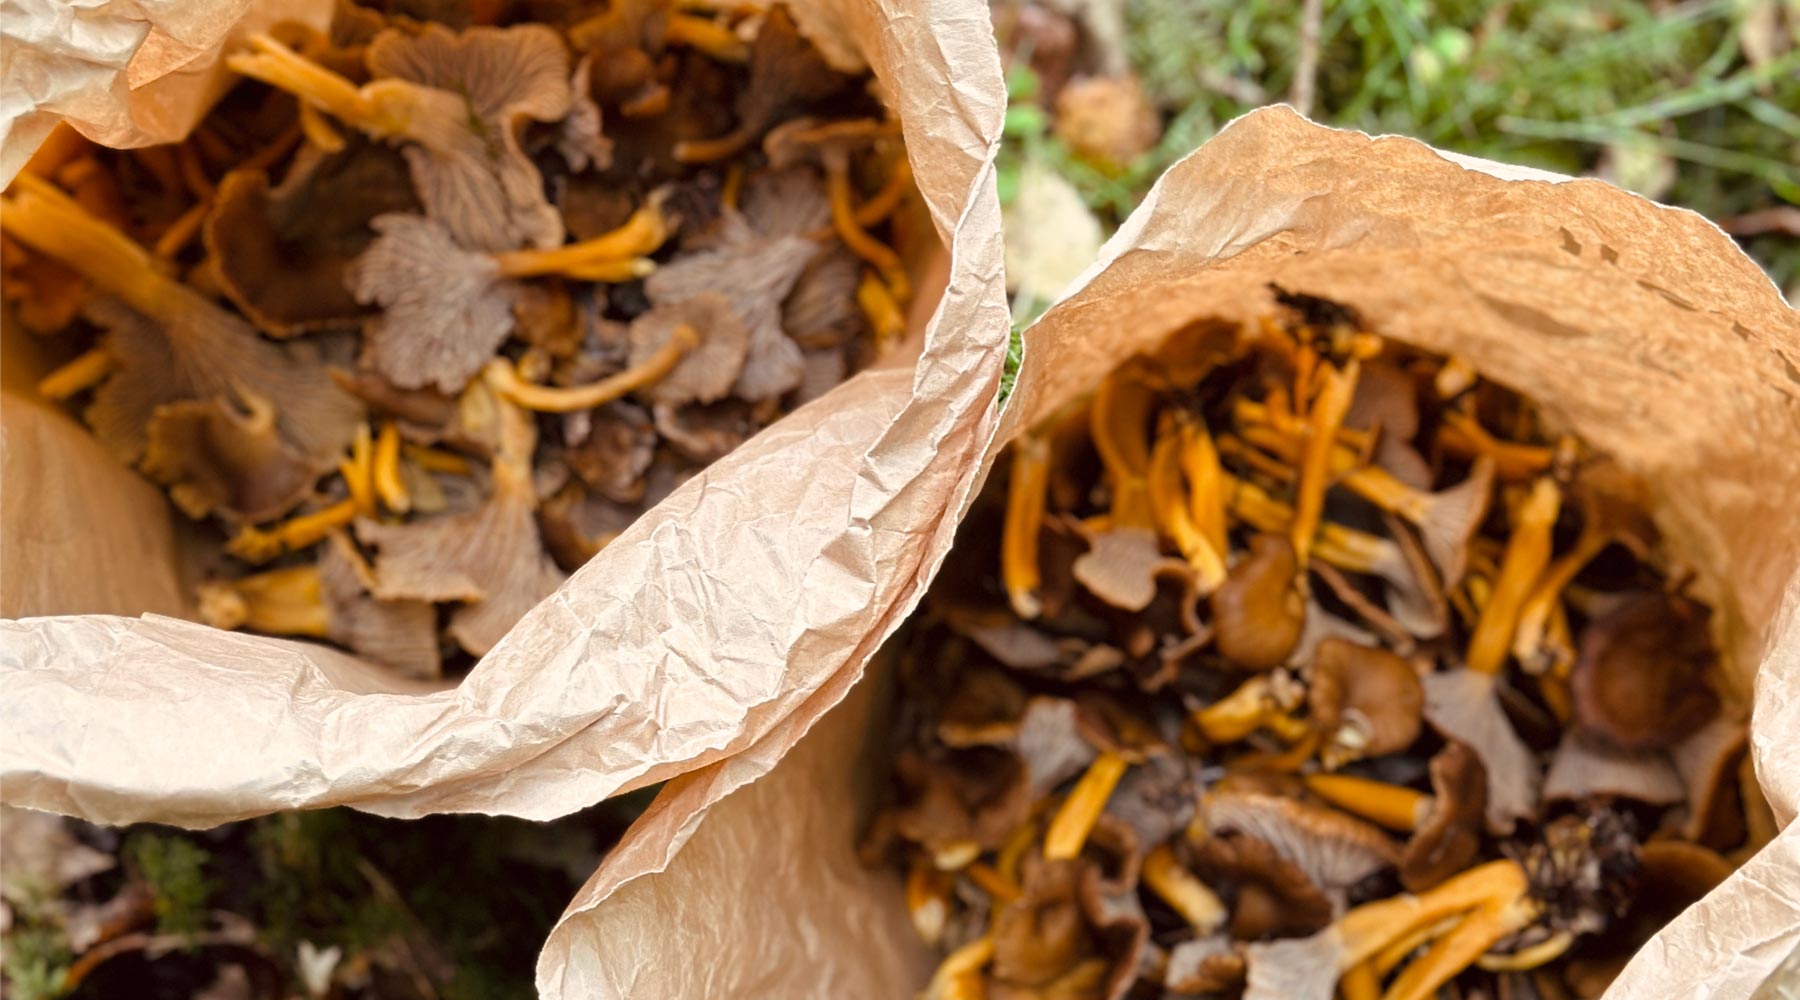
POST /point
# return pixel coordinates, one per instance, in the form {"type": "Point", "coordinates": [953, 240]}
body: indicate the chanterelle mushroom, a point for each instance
{"type": "Point", "coordinates": [168, 343]}
{"type": "Point", "coordinates": [1641, 679]}
{"type": "Point", "coordinates": [280, 252]}
{"type": "Point", "coordinates": [1258, 612]}
{"type": "Point", "coordinates": [1365, 701]}
{"type": "Point", "coordinates": [491, 559]}
{"type": "Point", "coordinates": [458, 101]}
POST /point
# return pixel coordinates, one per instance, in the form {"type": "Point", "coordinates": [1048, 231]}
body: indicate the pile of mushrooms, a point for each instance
{"type": "Point", "coordinates": [426, 312]}
{"type": "Point", "coordinates": [1307, 666]}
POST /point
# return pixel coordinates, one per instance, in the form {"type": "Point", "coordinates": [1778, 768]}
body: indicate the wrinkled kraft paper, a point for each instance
{"type": "Point", "coordinates": [694, 635]}
{"type": "Point", "coordinates": [1640, 327]}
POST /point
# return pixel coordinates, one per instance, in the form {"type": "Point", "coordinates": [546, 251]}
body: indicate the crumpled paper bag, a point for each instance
{"type": "Point", "coordinates": [692, 636]}
{"type": "Point", "coordinates": [1640, 327]}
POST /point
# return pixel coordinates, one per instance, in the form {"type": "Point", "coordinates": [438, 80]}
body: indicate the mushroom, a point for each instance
{"type": "Point", "coordinates": [1262, 701]}
{"type": "Point", "coordinates": [1489, 901]}
{"type": "Point", "coordinates": [1586, 766]}
{"type": "Point", "coordinates": [1365, 701]}
{"type": "Point", "coordinates": [329, 599]}
{"type": "Point", "coordinates": [705, 434]}
{"type": "Point", "coordinates": [579, 139]}
{"type": "Point", "coordinates": [424, 414]}
{"type": "Point", "coordinates": [788, 76]}
{"type": "Point", "coordinates": [576, 525]}
{"type": "Point", "coordinates": [492, 559]}
{"type": "Point", "coordinates": [706, 373]}
{"type": "Point", "coordinates": [1026, 492]}
{"type": "Point", "coordinates": [985, 708]}
{"type": "Point", "coordinates": [1641, 679]}
{"type": "Point", "coordinates": [1258, 612]}
{"type": "Point", "coordinates": [1174, 513]}
{"type": "Point", "coordinates": [1204, 965]}
{"type": "Point", "coordinates": [957, 803]}
{"type": "Point", "coordinates": [1462, 705]}
{"type": "Point", "coordinates": [1612, 509]}
{"type": "Point", "coordinates": [1186, 894]}
{"type": "Point", "coordinates": [1123, 558]}
{"type": "Point", "coordinates": [755, 274]}
{"type": "Point", "coordinates": [1334, 850]}
{"type": "Point", "coordinates": [168, 343]}
{"type": "Point", "coordinates": [1049, 741]}
{"type": "Point", "coordinates": [447, 310]}
{"type": "Point", "coordinates": [1463, 436]}
{"type": "Point", "coordinates": [1271, 895]}
{"type": "Point", "coordinates": [458, 100]}
{"type": "Point", "coordinates": [1323, 421]}
{"type": "Point", "coordinates": [280, 253]}
{"type": "Point", "coordinates": [618, 449]}
{"type": "Point", "coordinates": [1445, 825]}
{"type": "Point", "coordinates": [1707, 762]}
{"type": "Point", "coordinates": [1527, 554]}
{"type": "Point", "coordinates": [831, 146]}
{"type": "Point", "coordinates": [215, 458]}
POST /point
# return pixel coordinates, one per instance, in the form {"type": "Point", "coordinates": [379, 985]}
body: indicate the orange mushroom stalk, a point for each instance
{"type": "Point", "coordinates": [1527, 552]}
{"type": "Point", "coordinates": [505, 379]}
{"type": "Point", "coordinates": [1025, 498]}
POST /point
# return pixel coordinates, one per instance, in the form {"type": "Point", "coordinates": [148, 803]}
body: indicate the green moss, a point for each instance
{"type": "Point", "coordinates": [36, 960]}
{"type": "Point", "coordinates": [175, 870]}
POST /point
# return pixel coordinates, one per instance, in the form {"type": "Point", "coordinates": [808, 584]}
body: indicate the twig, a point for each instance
{"type": "Point", "coordinates": [1306, 70]}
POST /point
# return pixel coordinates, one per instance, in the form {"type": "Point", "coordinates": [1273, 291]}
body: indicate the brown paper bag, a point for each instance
{"type": "Point", "coordinates": [692, 636]}
{"type": "Point", "coordinates": [1639, 327]}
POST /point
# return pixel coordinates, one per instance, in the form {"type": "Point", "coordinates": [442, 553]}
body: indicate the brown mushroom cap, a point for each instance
{"type": "Point", "coordinates": [1708, 764]}
{"type": "Point", "coordinates": [215, 459]}
{"type": "Point", "coordinates": [1274, 897]}
{"type": "Point", "coordinates": [706, 373]}
{"type": "Point", "coordinates": [1369, 689]}
{"type": "Point", "coordinates": [949, 797]}
{"type": "Point", "coordinates": [1202, 965]}
{"type": "Point", "coordinates": [985, 708]}
{"type": "Point", "coordinates": [1461, 705]}
{"type": "Point", "coordinates": [1258, 612]}
{"type": "Point", "coordinates": [280, 253]}
{"type": "Point", "coordinates": [1449, 835]}
{"type": "Point", "coordinates": [1641, 679]}
{"type": "Point", "coordinates": [399, 634]}
{"type": "Point", "coordinates": [616, 452]}
{"type": "Point", "coordinates": [755, 274]}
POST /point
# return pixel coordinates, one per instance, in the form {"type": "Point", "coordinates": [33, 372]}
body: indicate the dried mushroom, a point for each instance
{"type": "Point", "coordinates": [437, 302]}
{"type": "Point", "coordinates": [1378, 726]}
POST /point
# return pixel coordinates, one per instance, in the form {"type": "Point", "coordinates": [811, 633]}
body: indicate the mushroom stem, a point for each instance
{"type": "Point", "coordinates": [84, 372]}
{"type": "Point", "coordinates": [505, 380]}
{"type": "Point", "coordinates": [928, 901]}
{"type": "Point", "coordinates": [850, 231]}
{"type": "Point", "coordinates": [1206, 483]}
{"type": "Point", "coordinates": [178, 234]}
{"type": "Point", "coordinates": [883, 202]}
{"type": "Point", "coordinates": [1273, 415]}
{"type": "Point", "coordinates": [1360, 983]}
{"type": "Point", "coordinates": [1025, 499]}
{"type": "Point", "coordinates": [958, 976]}
{"type": "Point", "coordinates": [385, 470]}
{"type": "Point", "coordinates": [1117, 420]}
{"type": "Point", "coordinates": [41, 216]}
{"type": "Point", "coordinates": [1002, 889]}
{"type": "Point", "coordinates": [614, 256]}
{"type": "Point", "coordinates": [1174, 516]}
{"type": "Point", "coordinates": [318, 130]}
{"type": "Point", "coordinates": [1525, 959]}
{"type": "Point", "coordinates": [286, 601]}
{"type": "Point", "coordinates": [1183, 890]}
{"type": "Point", "coordinates": [1526, 553]}
{"type": "Point", "coordinates": [1393, 806]}
{"type": "Point", "coordinates": [359, 472]}
{"type": "Point", "coordinates": [883, 313]}
{"type": "Point", "coordinates": [259, 545]}
{"type": "Point", "coordinates": [712, 150]}
{"type": "Point", "coordinates": [706, 35]}
{"type": "Point", "coordinates": [1456, 377]}
{"type": "Point", "coordinates": [1458, 949]}
{"type": "Point", "coordinates": [1325, 417]}
{"type": "Point", "coordinates": [279, 66]}
{"type": "Point", "coordinates": [1069, 829]}
{"type": "Point", "coordinates": [1463, 436]}
{"type": "Point", "coordinates": [435, 460]}
{"type": "Point", "coordinates": [1534, 617]}
{"type": "Point", "coordinates": [1401, 948]}
{"type": "Point", "coordinates": [1369, 928]}
{"type": "Point", "coordinates": [1239, 713]}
